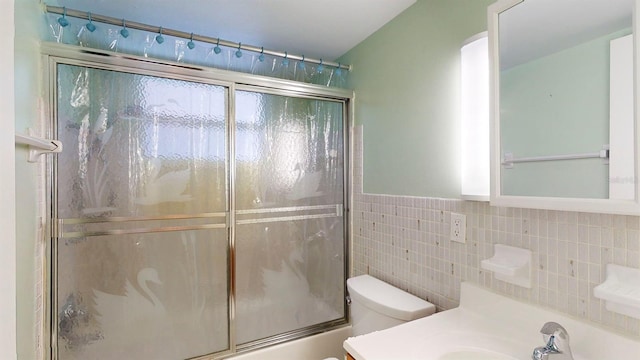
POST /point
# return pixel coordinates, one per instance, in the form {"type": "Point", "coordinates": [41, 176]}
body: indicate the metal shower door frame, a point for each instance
{"type": "Point", "coordinates": [54, 54]}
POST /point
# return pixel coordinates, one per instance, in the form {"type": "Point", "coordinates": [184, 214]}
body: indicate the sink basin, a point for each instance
{"type": "Point", "coordinates": [487, 326]}
{"type": "Point", "coordinates": [468, 345]}
{"type": "Point", "coordinates": [475, 355]}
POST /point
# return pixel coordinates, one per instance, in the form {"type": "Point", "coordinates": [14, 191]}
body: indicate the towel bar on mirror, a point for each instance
{"type": "Point", "coordinates": [508, 160]}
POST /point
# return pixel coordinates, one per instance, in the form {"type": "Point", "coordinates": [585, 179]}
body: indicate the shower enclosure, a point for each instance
{"type": "Point", "coordinates": [195, 213]}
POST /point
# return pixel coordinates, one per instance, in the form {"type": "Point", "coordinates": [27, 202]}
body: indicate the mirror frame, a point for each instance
{"type": "Point", "coordinates": [627, 207]}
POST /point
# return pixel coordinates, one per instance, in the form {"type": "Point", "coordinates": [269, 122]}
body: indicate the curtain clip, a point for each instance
{"type": "Point", "coordinates": [160, 38]}
{"type": "Point", "coordinates": [191, 44]}
{"type": "Point", "coordinates": [124, 32]}
{"type": "Point", "coordinates": [63, 20]}
{"type": "Point", "coordinates": [90, 25]}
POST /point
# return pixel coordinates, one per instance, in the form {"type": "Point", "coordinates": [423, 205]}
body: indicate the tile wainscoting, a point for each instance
{"type": "Point", "coordinates": [404, 240]}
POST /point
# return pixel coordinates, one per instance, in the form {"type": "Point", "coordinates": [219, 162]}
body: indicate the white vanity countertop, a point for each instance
{"type": "Point", "coordinates": [488, 326]}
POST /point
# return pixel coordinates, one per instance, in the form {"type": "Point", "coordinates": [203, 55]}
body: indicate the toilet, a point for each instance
{"type": "Point", "coordinates": [376, 305]}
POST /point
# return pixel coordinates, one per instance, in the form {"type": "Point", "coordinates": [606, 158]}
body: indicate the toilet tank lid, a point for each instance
{"type": "Point", "coordinates": [387, 299]}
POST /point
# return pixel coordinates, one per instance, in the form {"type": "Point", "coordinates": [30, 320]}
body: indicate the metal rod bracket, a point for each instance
{"type": "Point", "coordinates": [38, 146]}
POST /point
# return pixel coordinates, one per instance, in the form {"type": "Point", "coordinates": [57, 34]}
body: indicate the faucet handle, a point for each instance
{"type": "Point", "coordinates": [557, 339]}
{"type": "Point", "coordinates": [551, 344]}
{"type": "Point", "coordinates": [554, 329]}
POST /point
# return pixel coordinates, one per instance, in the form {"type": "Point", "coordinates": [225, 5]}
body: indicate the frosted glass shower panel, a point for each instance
{"type": "Point", "coordinates": [290, 275]}
{"type": "Point", "coordinates": [289, 151]}
{"type": "Point", "coordinates": [289, 214]}
{"type": "Point", "coordinates": [138, 145]}
{"type": "Point", "coordinates": [144, 296]}
{"type": "Point", "coordinates": [141, 247]}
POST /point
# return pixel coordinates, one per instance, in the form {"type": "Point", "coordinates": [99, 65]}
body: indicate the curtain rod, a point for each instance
{"type": "Point", "coordinates": [181, 34]}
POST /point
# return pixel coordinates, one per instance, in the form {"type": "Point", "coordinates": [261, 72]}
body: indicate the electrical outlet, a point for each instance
{"type": "Point", "coordinates": [458, 227]}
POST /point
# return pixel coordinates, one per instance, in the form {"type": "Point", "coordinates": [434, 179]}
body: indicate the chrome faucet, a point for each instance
{"type": "Point", "coordinates": [557, 340]}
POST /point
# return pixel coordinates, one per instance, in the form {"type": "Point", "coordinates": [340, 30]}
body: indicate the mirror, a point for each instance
{"type": "Point", "coordinates": [563, 114]}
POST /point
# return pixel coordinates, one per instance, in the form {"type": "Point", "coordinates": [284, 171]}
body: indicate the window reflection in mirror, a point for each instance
{"type": "Point", "coordinates": [566, 91]}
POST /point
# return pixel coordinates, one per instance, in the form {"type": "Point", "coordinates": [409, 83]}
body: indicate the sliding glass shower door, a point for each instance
{"type": "Point", "coordinates": [191, 217]}
{"type": "Point", "coordinates": [141, 190]}
{"type": "Point", "coordinates": [289, 224]}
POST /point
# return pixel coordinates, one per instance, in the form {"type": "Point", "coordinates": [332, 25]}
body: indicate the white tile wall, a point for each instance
{"type": "Point", "coordinates": [405, 241]}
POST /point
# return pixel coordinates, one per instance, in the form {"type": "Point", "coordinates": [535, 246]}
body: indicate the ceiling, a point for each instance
{"type": "Point", "coordinates": [317, 29]}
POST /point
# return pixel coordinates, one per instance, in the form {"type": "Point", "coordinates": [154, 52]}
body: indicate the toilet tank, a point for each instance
{"type": "Point", "coordinates": [376, 305]}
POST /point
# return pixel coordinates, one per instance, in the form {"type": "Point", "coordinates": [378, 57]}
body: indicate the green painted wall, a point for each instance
{"type": "Point", "coordinates": [406, 77]}
{"type": "Point", "coordinates": [29, 29]}
{"type": "Point", "coordinates": [554, 105]}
